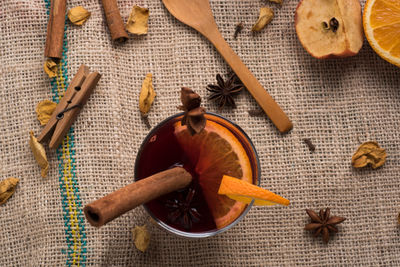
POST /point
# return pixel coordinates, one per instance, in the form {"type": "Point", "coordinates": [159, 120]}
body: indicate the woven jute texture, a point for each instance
{"type": "Point", "coordinates": [336, 103]}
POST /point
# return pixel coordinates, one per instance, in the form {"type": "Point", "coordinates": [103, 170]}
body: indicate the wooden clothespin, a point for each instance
{"type": "Point", "coordinates": [67, 110]}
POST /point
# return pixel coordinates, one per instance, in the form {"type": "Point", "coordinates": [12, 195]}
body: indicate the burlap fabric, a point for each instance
{"type": "Point", "coordinates": [336, 103]}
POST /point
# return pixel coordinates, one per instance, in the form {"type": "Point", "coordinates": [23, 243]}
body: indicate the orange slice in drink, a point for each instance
{"type": "Point", "coordinates": [381, 21]}
{"type": "Point", "coordinates": [245, 192]}
{"type": "Point", "coordinates": [215, 152]}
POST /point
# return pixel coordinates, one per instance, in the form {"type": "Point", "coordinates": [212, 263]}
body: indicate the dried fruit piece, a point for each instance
{"type": "Point", "coordinates": [138, 20]}
{"type": "Point", "coordinates": [40, 154]}
{"type": "Point", "coordinates": [7, 189]}
{"type": "Point", "coordinates": [329, 30]}
{"type": "Point", "coordinates": [51, 68]}
{"type": "Point", "coordinates": [147, 95]}
{"type": "Point", "coordinates": [44, 109]}
{"type": "Point", "coordinates": [369, 153]}
{"type": "Point", "coordinates": [141, 237]}
{"type": "Point", "coordinates": [78, 15]}
{"type": "Point", "coordinates": [266, 15]}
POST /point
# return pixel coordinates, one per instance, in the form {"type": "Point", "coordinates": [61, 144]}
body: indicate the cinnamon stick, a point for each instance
{"type": "Point", "coordinates": [55, 29]}
{"type": "Point", "coordinates": [114, 21]}
{"type": "Point", "coordinates": [129, 197]}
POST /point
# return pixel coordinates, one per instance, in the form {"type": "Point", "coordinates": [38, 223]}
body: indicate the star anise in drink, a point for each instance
{"type": "Point", "coordinates": [181, 210]}
{"type": "Point", "coordinates": [323, 223]}
{"type": "Point", "coordinates": [223, 91]}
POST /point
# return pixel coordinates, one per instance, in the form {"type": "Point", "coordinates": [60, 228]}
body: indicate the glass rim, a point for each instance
{"type": "Point", "coordinates": [206, 233]}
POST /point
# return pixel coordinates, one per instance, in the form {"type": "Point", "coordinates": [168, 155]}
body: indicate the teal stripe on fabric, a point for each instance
{"type": "Point", "coordinates": [69, 187]}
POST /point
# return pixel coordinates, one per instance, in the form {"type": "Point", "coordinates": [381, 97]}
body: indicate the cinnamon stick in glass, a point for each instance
{"type": "Point", "coordinates": [133, 195]}
{"type": "Point", "coordinates": [114, 21]}
{"type": "Point", "coordinates": [55, 29]}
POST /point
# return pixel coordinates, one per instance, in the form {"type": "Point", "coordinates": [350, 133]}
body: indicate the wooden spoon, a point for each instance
{"type": "Point", "coordinates": [198, 15]}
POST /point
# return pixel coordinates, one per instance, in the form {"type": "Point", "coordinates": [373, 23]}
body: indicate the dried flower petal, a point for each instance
{"type": "Point", "coordinates": [147, 95]}
{"type": "Point", "coordinates": [138, 20]}
{"type": "Point", "coordinates": [51, 68]}
{"type": "Point", "coordinates": [266, 15]}
{"type": "Point", "coordinates": [40, 154]}
{"type": "Point", "coordinates": [78, 15]}
{"type": "Point", "coordinates": [369, 153]}
{"type": "Point", "coordinates": [7, 189]}
{"type": "Point", "coordinates": [141, 237]}
{"type": "Point", "coordinates": [44, 109]}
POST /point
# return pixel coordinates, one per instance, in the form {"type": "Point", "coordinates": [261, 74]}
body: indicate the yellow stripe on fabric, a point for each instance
{"type": "Point", "coordinates": [67, 177]}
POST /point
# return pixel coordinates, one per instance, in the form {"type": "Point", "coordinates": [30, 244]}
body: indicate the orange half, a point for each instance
{"type": "Point", "coordinates": [215, 152]}
{"type": "Point", "coordinates": [381, 20]}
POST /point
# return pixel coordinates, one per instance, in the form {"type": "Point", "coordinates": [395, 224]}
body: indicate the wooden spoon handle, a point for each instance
{"type": "Point", "coordinates": [267, 103]}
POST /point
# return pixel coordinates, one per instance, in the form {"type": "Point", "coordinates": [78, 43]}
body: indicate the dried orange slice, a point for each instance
{"type": "Point", "coordinates": [382, 28]}
{"type": "Point", "coordinates": [245, 192]}
{"type": "Point", "coordinates": [215, 152]}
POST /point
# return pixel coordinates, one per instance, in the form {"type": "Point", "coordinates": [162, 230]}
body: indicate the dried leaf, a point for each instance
{"type": "Point", "coordinates": [138, 20]}
{"type": "Point", "coordinates": [369, 153]}
{"type": "Point", "coordinates": [78, 15]}
{"type": "Point", "coordinates": [7, 189]}
{"type": "Point", "coordinates": [266, 15]}
{"type": "Point", "coordinates": [147, 95]}
{"type": "Point", "coordinates": [44, 109]}
{"type": "Point", "coordinates": [40, 154]}
{"type": "Point", "coordinates": [277, 1]}
{"type": "Point", "coordinates": [141, 237]}
{"type": "Point", "coordinates": [51, 68]}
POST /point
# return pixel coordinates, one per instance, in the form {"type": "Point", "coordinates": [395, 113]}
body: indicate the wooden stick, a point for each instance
{"type": "Point", "coordinates": [114, 21]}
{"type": "Point", "coordinates": [129, 197]}
{"type": "Point", "coordinates": [55, 29]}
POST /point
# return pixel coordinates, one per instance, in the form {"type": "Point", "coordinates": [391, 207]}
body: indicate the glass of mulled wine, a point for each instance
{"type": "Point", "coordinates": [222, 148]}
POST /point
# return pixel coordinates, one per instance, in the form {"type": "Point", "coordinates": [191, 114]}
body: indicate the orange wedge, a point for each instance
{"type": "Point", "coordinates": [381, 20]}
{"type": "Point", "coordinates": [214, 152]}
{"type": "Point", "coordinates": [245, 192]}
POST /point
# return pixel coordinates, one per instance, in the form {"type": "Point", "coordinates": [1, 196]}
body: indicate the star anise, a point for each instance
{"type": "Point", "coordinates": [182, 211]}
{"type": "Point", "coordinates": [223, 92]}
{"type": "Point", "coordinates": [323, 223]}
{"type": "Point", "coordinates": [194, 114]}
